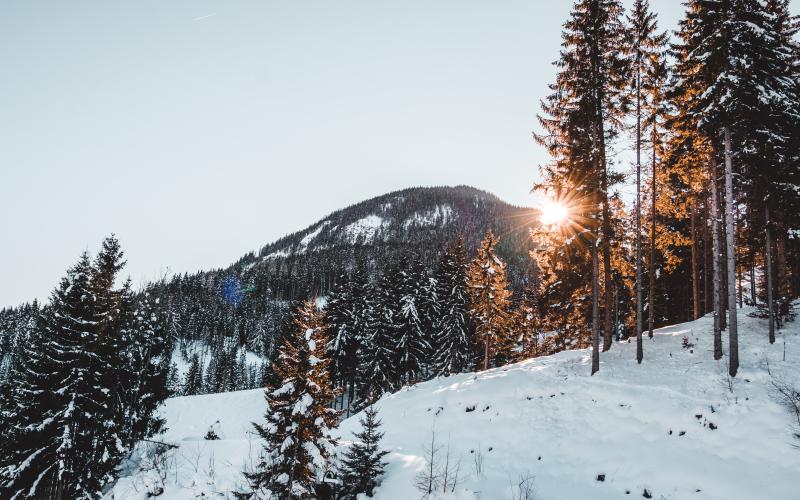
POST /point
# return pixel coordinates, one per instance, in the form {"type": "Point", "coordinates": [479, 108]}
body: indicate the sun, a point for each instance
{"type": "Point", "coordinates": [554, 213]}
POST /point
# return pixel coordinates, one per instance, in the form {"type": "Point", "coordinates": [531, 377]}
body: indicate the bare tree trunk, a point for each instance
{"type": "Point", "coordinates": [595, 310]}
{"type": "Point", "coordinates": [607, 281]}
{"type": "Point", "coordinates": [723, 291]}
{"type": "Point", "coordinates": [651, 299]}
{"type": "Point", "coordinates": [706, 268]}
{"type": "Point", "coordinates": [695, 284]}
{"type": "Point", "coordinates": [486, 351]}
{"type": "Point", "coordinates": [741, 289]}
{"type": "Point", "coordinates": [639, 348]}
{"type": "Point", "coordinates": [733, 334]}
{"type": "Point", "coordinates": [782, 285]}
{"type": "Point", "coordinates": [752, 274]}
{"type": "Point", "coordinates": [716, 263]}
{"type": "Point", "coordinates": [768, 271]}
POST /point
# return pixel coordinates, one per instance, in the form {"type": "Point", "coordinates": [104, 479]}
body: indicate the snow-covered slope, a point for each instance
{"type": "Point", "coordinates": [675, 425]}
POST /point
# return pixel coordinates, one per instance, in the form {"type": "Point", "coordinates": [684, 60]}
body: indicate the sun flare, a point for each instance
{"type": "Point", "coordinates": [554, 213]}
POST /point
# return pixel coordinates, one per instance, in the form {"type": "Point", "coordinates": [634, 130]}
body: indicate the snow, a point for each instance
{"type": "Point", "coordinates": [364, 229]}
{"type": "Point", "coordinates": [429, 218]}
{"type": "Point", "coordinates": [277, 254]}
{"type": "Point", "coordinates": [307, 239]}
{"type": "Point", "coordinates": [642, 426]}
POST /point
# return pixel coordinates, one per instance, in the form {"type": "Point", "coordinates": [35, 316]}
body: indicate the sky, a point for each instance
{"type": "Point", "coordinates": [197, 131]}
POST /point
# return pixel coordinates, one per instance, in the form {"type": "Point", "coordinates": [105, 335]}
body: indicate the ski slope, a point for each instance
{"type": "Point", "coordinates": [675, 426]}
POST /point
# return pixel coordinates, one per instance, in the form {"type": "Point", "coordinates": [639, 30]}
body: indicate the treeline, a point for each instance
{"type": "Point", "coordinates": [712, 115]}
{"type": "Point", "coordinates": [82, 389]}
{"type": "Point", "coordinates": [417, 323]}
{"type": "Point", "coordinates": [413, 324]}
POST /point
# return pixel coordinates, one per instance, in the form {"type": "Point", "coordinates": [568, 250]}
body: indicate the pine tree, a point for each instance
{"type": "Point", "coordinates": [173, 381]}
{"type": "Point", "coordinates": [346, 316]}
{"type": "Point", "coordinates": [362, 465]}
{"type": "Point", "coordinates": [242, 375]}
{"type": "Point", "coordinates": [409, 282]}
{"type": "Point", "coordinates": [378, 370]}
{"type": "Point", "coordinates": [647, 64]}
{"type": "Point", "coordinates": [193, 383]}
{"type": "Point", "coordinates": [490, 303]}
{"type": "Point", "coordinates": [453, 332]}
{"type": "Point", "coordinates": [52, 438]}
{"type": "Point", "coordinates": [299, 418]}
{"type": "Point", "coordinates": [582, 113]}
{"type": "Point", "coordinates": [731, 73]}
{"type": "Point", "coordinates": [141, 376]}
{"type": "Point", "coordinates": [524, 324]}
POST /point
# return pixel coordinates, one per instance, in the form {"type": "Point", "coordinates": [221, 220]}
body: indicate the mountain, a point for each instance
{"type": "Point", "coordinates": [675, 426]}
{"type": "Point", "coordinates": [373, 233]}
{"type": "Point", "coordinates": [250, 301]}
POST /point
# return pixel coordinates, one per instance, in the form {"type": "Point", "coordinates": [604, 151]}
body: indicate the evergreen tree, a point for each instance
{"type": "Point", "coordinates": [173, 381]}
{"type": "Point", "coordinates": [378, 370]}
{"type": "Point", "coordinates": [453, 333]}
{"type": "Point", "coordinates": [346, 315]}
{"type": "Point", "coordinates": [409, 282]}
{"type": "Point", "coordinates": [647, 65]}
{"type": "Point", "coordinates": [583, 112]}
{"type": "Point", "coordinates": [53, 441]}
{"type": "Point", "coordinates": [242, 376]}
{"type": "Point", "coordinates": [297, 433]}
{"type": "Point", "coordinates": [490, 303]}
{"type": "Point", "coordinates": [193, 383]}
{"type": "Point", "coordinates": [524, 324]}
{"type": "Point", "coordinates": [141, 377]}
{"type": "Point", "coordinates": [362, 465]}
{"type": "Point", "coordinates": [732, 72]}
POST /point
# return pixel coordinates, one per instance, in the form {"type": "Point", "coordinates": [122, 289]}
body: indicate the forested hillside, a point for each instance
{"type": "Point", "coordinates": [671, 196]}
{"type": "Point", "coordinates": [221, 313]}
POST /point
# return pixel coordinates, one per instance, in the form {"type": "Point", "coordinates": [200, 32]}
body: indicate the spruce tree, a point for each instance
{"type": "Point", "coordinates": [645, 51]}
{"type": "Point", "coordinates": [732, 73]}
{"type": "Point", "coordinates": [52, 441]}
{"type": "Point", "coordinates": [378, 370]}
{"type": "Point", "coordinates": [346, 316]}
{"type": "Point", "coordinates": [524, 324]}
{"type": "Point", "coordinates": [409, 285]}
{"type": "Point", "coordinates": [582, 113]}
{"type": "Point", "coordinates": [490, 303]}
{"type": "Point", "coordinates": [362, 465]}
{"type": "Point", "coordinates": [297, 439]}
{"type": "Point", "coordinates": [193, 383]}
{"type": "Point", "coordinates": [141, 377]}
{"type": "Point", "coordinates": [453, 333]}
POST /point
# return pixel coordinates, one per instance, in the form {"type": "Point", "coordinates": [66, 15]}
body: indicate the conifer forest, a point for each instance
{"type": "Point", "coordinates": [628, 332]}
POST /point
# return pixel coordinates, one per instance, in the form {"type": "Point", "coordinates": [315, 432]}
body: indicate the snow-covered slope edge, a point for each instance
{"type": "Point", "coordinates": [643, 426]}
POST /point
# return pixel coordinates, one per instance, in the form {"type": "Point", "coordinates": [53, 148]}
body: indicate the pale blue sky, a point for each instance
{"type": "Point", "coordinates": [199, 130]}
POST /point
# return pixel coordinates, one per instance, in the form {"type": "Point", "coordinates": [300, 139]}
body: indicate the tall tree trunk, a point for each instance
{"type": "Point", "coordinates": [716, 262]}
{"type": "Point", "coordinates": [651, 298]}
{"type": "Point", "coordinates": [706, 269]}
{"type": "Point", "coordinates": [639, 348]}
{"type": "Point", "coordinates": [607, 280]}
{"type": "Point", "coordinates": [733, 334]}
{"type": "Point", "coordinates": [595, 310]}
{"type": "Point", "coordinates": [768, 272]}
{"type": "Point", "coordinates": [723, 291]}
{"type": "Point", "coordinates": [486, 352]}
{"type": "Point", "coordinates": [695, 284]}
{"type": "Point", "coordinates": [781, 285]}
{"type": "Point", "coordinates": [752, 274]}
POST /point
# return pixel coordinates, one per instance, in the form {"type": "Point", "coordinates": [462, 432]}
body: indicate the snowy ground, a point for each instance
{"type": "Point", "coordinates": [675, 425]}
